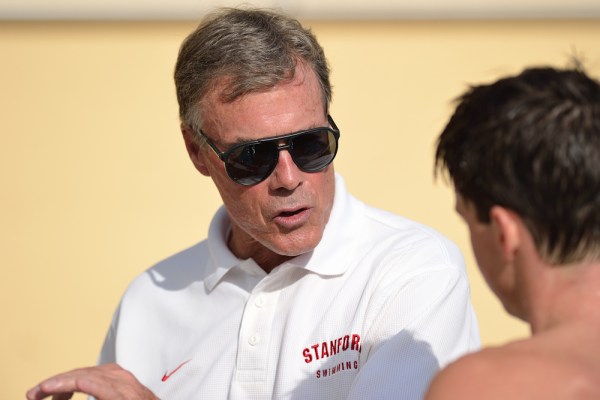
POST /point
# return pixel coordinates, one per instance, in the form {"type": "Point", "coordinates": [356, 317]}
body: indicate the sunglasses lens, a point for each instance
{"type": "Point", "coordinates": [314, 151]}
{"type": "Point", "coordinates": [251, 164]}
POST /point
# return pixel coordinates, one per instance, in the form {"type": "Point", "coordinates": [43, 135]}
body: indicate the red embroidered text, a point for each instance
{"type": "Point", "coordinates": [332, 347]}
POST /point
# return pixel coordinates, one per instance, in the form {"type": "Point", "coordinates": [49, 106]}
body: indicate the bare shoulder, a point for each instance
{"type": "Point", "coordinates": [467, 378]}
{"type": "Point", "coordinates": [517, 371]}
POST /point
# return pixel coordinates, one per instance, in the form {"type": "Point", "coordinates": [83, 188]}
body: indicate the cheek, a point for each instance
{"type": "Point", "coordinates": [325, 191]}
{"type": "Point", "coordinates": [243, 205]}
{"type": "Point", "coordinates": [216, 170]}
{"type": "Point", "coordinates": [483, 255]}
{"type": "Point", "coordinates": [476, 246]}
{"type": "Point", "coordinates": [490, 264]}
{"type": "Point", "coordinates": [239, 200]}
{"type": "Point", "coordinates": [232, 194]}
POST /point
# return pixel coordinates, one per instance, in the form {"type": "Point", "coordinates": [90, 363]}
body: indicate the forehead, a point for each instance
{"type": "Point", "coordinates": [289, 106]}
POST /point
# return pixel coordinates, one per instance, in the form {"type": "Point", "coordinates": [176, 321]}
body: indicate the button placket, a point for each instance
{"type": "Point", "coordinates": [254, 340]}
{"type": "Point", "coordinates": [253, 350]}
{"type": "Point", "coordinates": [260, 301]}
{"type": "Point", "coordinates": [256, 329]}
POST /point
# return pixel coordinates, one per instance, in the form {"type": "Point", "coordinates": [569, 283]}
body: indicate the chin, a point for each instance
{"type": "Point", "coordinates": [295, 246]}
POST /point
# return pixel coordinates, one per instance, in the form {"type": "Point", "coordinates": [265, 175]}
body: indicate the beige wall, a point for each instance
{"type": "Point", "coordinates": [96, 186]}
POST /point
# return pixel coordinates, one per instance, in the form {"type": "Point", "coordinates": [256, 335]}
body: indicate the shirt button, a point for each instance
{"type": "Point", "coordinates": [253, 340]}
{"type": "Point", "coordinates": [260, 301]}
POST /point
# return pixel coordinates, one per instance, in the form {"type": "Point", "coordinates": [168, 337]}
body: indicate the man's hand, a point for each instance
{"type": "Point", "coordinates": [104, 382]}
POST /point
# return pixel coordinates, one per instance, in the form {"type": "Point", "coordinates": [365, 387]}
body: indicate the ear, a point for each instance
{"type": "Point", "coordinates": [506, 227]}
{"type": "Point", "coordinates": [194, 151]}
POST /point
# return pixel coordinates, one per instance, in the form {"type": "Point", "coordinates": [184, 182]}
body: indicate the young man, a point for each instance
{"type": "Point", "coordinates": [300, 291]}
{"type": "Point", "coordinates": [523, 155]}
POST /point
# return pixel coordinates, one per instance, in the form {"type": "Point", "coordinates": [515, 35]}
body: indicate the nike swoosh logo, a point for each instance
{"type": "Point", "coordinates": [168, 374]}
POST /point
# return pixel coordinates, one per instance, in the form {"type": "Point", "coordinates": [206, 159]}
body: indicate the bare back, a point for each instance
{"type": "Point", "coordinates": [559, 364]}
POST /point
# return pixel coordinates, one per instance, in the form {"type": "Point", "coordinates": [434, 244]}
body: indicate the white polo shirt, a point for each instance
{"type": "Point", "coordinates": [372, 313]}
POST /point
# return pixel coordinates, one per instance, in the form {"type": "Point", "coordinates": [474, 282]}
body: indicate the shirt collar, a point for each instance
{"type": "Point", "coordinates": [331, 256]}
{"type": "Point", "coordinates": [338, 245]}
{"type": "Point", "coordinates": [221, 258]}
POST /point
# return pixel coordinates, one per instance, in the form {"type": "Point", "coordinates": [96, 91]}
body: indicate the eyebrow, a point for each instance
{"type": "Point", "coordinates": [242, 140]}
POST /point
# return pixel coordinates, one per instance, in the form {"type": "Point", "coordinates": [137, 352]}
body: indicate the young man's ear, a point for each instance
{"type": "Point", "coordinates": [193, 149]}
{"type": "Point", "coordinates": [506, 225]}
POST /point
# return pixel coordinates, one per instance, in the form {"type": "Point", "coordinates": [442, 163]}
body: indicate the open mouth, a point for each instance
{"type": "Point", "coordinates": [291, 213]}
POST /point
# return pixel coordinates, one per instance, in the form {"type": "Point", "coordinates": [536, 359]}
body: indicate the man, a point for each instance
{"type": "Point", "coordinates": [522, 154]}
{"type": "Point", "coordinates": [300, 291]}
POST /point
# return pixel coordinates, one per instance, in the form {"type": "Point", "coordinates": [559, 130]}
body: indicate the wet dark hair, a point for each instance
{"type": "Point", "coordinates": [531, 143]}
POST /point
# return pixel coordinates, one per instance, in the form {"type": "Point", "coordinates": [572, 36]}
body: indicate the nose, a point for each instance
{"type": "Point", "coordinates": [286, 174]}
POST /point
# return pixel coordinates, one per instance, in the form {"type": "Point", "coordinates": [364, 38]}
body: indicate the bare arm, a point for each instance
{"type": "Point", "coordinates": [104, 382]}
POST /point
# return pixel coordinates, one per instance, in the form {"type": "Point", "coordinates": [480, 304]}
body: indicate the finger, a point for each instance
{"type": "Point", "coordinates": [37, 393]}
{"type": "Point", "coordinates": [61, 386]}
{"type": "Point", "coordinates": [62, 396]}
{"type": "Point", "coordinates": [105, 382]}
{"type": "Point", "coordinates": [34, 394]}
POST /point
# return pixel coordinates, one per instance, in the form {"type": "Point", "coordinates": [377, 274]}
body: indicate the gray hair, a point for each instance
{"type": "Point", "coordinates": [251, 50]}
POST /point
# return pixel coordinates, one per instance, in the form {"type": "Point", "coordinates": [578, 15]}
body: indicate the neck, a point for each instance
{"type": "Point", "coordinates": [264, 257]}
{"type": "Point", "coordinates": [566, 294]}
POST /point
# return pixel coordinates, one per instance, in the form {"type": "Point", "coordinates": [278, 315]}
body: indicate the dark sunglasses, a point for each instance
{"type": "Point", "coordinates": [249, 163]}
